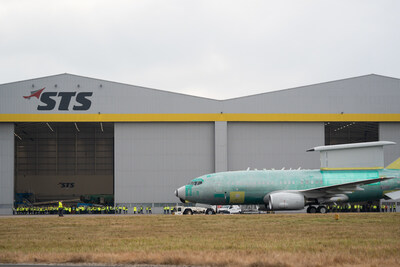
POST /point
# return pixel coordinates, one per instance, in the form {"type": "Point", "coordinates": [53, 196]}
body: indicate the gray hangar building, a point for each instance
{"type": "Point", "coordinates": [68, 137]}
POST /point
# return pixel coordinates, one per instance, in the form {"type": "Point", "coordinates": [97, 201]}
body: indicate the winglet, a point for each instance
{"type": "Point", "coordinates": [394, 165]}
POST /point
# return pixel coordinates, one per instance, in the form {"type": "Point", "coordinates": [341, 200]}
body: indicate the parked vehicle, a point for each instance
{"type": "Point", "coordinates": [230, 209]}
{"type": "Point", "coordinates": [182, 210]}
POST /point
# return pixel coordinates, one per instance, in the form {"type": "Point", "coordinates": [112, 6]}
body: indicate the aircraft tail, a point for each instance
{"type": "Point", "coordinates": [394, 165]}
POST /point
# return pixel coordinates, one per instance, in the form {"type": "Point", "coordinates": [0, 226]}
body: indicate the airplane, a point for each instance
{"type": "Point", "coordinates": [35, 93]}
{"type": "Point", "coordinates": [349, 173]}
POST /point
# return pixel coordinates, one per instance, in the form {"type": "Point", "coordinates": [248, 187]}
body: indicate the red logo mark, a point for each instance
{"type": "Point", "coordinates": [35, 93]}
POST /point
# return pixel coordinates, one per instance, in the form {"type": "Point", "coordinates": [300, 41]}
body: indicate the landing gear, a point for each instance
{"type": "Point", "coordinates": [311, 209]}
{"type": "Point", "coordinates": [320, 209]}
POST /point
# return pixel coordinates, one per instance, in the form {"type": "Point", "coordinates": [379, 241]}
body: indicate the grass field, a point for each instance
{"type": "Point", "coordinates": [221, 240]}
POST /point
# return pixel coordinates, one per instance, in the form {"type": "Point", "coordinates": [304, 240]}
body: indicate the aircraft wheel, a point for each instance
{"type": "Point", "coordinates": [188, 212]}
{"type": "Point", "coordinates": [322, 209]}
{"type": "Point", "coordinates": [311, 209]}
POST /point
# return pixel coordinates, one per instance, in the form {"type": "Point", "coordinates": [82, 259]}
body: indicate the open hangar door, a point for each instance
{"type": "Point", "coordinates": [64, 161]}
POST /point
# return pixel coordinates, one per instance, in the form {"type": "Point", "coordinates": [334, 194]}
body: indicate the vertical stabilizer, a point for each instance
{"type": "Point", "coordinates": [394, 165]}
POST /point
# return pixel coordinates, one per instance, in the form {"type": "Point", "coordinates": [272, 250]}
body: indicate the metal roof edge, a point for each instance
{"type": "Point", "coordinates": [108, 81]}
{"type": "Point", "coordinates": [314, 84]}
{"type": "Point", "coordinates": [205, 98]}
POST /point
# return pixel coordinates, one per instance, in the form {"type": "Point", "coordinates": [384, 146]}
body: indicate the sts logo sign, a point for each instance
{"type": "Point", "coordinates": [49, 103]}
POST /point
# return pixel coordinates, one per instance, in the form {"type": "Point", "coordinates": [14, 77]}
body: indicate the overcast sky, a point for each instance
{"type": "Point", "coordinates": [217, 49]}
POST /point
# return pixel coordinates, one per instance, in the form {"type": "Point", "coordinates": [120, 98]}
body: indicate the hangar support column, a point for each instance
{"type": "Point", "coordinates": [6, 167]}
{"type": "Point", "coordinates": [221, 146]}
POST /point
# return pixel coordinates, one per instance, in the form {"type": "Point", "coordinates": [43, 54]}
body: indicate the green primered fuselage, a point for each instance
{"type": "Point", "coordinates": [250, 187]}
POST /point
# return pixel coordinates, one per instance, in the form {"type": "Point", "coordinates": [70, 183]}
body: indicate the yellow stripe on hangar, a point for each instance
{"type": "Point", "coordinates": [245, 117]}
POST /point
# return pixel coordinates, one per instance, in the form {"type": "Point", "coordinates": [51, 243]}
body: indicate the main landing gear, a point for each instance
{"type": "Point", "coordinates": [320, 209]}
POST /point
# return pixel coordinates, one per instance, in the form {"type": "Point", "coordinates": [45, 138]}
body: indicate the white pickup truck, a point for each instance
{"type": "Point", "coordinates": [230, 209]}
{"type": "Point", "coordinates": [182, 210]}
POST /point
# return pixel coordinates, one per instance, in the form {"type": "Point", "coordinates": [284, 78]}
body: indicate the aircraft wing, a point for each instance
{"type": "Point", "coordinates": [340, 189]}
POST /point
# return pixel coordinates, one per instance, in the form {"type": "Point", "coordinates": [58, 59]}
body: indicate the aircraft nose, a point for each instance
{"type": "Point", "coordinates": [180, 192]}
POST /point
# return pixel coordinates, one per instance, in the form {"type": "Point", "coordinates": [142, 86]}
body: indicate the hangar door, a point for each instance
{"type": "Point", "coordinates": [273, 145]}
{"type": "Point", "coordinates": [65, 161]}
{"type": "Point", "coordinates": [153, 159]}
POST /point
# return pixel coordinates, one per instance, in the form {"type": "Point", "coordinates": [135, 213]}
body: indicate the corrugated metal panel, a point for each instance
{"type": "Point", "coordinates": [370, 94]}
{"type": "Point", "coordinates": [6, 167]}
{"type": "Point", "coordinates": [108, 97]}
{"type": "Point", "coordinates": [221, 143]}
{"type": "Point", "coordinates": [273, 145]}
{"type": "Point", "coordinates": [365, 94]}
{"type": "Point", "coordinates": [153, 159]}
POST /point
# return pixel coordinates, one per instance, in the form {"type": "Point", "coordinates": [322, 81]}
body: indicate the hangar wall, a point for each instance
{"type": "Point", "coordinates": [154, 153]}
{"type": "Point", "coordinates": [370, 94]}
{"type": "Point", "coordinates": [107, 98]}
{"type": "Point", "coordinates": [273, 145]}
{"type": "Point", "coordinates": [153, 159]}
{"type": "Point", "coordinates": [365, 95]}
{"type": "Point", "coordinates": [221, 146]}
{"type": "Point", "coordinates": [6, 167]}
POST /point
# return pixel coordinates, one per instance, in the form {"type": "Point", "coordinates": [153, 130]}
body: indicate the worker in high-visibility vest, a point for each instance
{"type": "Point", "coordinates": [60, 209]}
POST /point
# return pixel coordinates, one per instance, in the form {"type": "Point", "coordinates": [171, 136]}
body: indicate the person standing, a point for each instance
{"type": "Point", "coordinates": [60, 209]}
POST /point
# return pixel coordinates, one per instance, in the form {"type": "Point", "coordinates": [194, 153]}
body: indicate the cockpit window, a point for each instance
{"type": "Point", "coordinates": [197, 181]}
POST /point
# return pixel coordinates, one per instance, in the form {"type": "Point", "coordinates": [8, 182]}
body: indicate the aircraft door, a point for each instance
{"type": "Point", "coordinates": [220, 195]}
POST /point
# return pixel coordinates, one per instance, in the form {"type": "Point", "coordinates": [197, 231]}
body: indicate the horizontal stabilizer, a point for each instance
{"type": "Point", "coordinates": [351, 146]}
{"type": "Point", "coordinates": [357, 156]}
{"type": "Point", "coordinates": [393, 195]}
